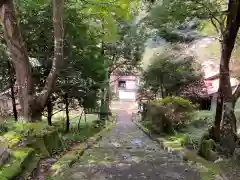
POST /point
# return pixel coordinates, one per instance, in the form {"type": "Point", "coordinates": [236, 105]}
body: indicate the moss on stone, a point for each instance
{"type": "Point", "coordinates": [30, 167]}
{"type": "Point", "coordinates": [70, 157]}
{"type": "Point", "coordinates": [52, 142]}
{"type": "Point", "coordinates": [64, 162]}
{"type": "Point", "coordinates": [67, 160]}
{"type": "Point", "coordinates": [175, 142]}
{"type": "Point", "coordinates": [46, 143]}
{"type": "Point", "coordinates": [17, 163]}
{"type": "Point", "coordinates": [208, 170]}
{"type": "Point", "coordinates": [206, 150]}
{"type": "Point", "coordinates": [12, 138]}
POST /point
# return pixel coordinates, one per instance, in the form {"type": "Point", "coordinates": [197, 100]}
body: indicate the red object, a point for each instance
{"type": "Point", "coordinates": [208, 83]}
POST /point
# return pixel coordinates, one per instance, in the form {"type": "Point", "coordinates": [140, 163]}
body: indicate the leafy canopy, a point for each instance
{"type": "Point", "coordinates": [170, 71]}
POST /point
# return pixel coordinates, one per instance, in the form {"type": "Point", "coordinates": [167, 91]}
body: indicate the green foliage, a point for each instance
{"type": "Point", "coordinates": [178, 110]}
{"type": "Point", "coordinates": [179, 103]}
{"type": "Point", "coordinates": [105, 15]}
{"type": "Point", "coordinates": [169, 71]}
{"type": "Point", "coordinates": [86, 131]}
{"type": "Point", "coordinates": [196, 128]}
{"type": "Point", "coordinates": [202, 119]}
{"type": "Point", "coordinates": [29, 129]}
{"type": "Point", "coordinates": [4, 75]}
{"type": "Point", "coordinates": [168, 114]}
{"type": "Point", "coordinates": [191, 140]}
{"type": "Point", "coordinates": [90, 100]}
{"type": "Point", "coordinates": [168, 16]}
{"type": "Point", "coordinates": [87, 25]}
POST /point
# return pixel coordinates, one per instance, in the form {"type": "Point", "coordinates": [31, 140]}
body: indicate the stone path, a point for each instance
{"type": "Point", "coordinates": [127, 153]}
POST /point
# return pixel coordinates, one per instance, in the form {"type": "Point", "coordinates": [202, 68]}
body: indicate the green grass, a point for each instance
{"type": "Point", "coordinates": [18, 130]}
{"type": "Point", "coordinates": [85, 131]}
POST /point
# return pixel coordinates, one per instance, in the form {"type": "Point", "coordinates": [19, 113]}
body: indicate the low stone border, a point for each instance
{"type": "Point", "coordinates": [18, 161]}
{"type": "Point", "coordinates": [72, 156]}
{"type": "Point", "coordinates": [181, 152]}
{"type": "Point", "coordinates": [4, 155]}
{"type": "Point", "coordinates": [160, 141]}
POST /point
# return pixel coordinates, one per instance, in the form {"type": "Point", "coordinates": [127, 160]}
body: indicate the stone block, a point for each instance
{"type": "Point", "coordinates": [4, 155]}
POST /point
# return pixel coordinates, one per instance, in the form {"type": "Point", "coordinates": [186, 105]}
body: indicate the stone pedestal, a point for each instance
{"type": "Point", "coordinates": [4, 155]}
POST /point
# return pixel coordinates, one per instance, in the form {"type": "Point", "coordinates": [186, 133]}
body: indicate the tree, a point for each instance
{"type": "Point", "coordinates": [20, 59]}
{"type": "Point", "coordinates": [169, 71]}
{"type": "Point", "coordinates": [95, 10]}
{"type": "Point", "coordinates": [225, 19]}
{"type": "Point", "coordinates": [225, 90]}
{"type": "Point", "coordinates": [123, 56]}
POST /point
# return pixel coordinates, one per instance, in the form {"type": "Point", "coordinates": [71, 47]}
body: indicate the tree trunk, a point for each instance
{"type": "Point", "coordinates": [228, 129]}
{"type": "Point", "coordinates": [58, 7]}
{"type": "Point", "coordinates": [12, 81]}
{"type": "Point", "coordinates": [32, 106]}
{"type": "Point", "coordinates": [162, 90]}
{"type": "Point", "coordinates": [218, 117]}
{"type": "Point", "coordinates": [19, 57]}
{"type": "Point", "coordinates": [49, 111]}
{"type": "Point", "coordinates": [108, 95]}
{"type": "Point", "coordinates": [103, 108]}
{"type": "Point", "coordinates": [67, 112]}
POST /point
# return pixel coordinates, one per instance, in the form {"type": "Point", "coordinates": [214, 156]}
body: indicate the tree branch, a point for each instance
{"type": "Point", "coordinates": [120, 64]}
{"type": "Point", "coordinates": [58, 8]}
{"type": "Point", "coordinates": [213, 17]}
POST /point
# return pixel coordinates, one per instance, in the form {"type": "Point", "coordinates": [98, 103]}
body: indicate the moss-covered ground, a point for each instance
{"type": "Point", "coordinates": [30, 142]}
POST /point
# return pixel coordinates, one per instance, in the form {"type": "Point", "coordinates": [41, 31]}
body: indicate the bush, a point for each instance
{"type": "Point", "coordinates": [169, 114]}
{"type": "Point", "coordinates": [202, 119]}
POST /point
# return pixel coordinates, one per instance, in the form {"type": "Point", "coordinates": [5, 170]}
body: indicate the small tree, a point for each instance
{"type": "Point", "coordinates": [169, 72]}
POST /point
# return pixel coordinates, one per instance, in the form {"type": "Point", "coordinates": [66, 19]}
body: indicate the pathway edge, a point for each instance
{"type": "Point", "coordinates": [72, 156]}
{"type": "Point", "coordinates": [181, 153]}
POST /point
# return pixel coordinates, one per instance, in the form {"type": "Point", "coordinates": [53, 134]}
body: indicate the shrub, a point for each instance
{"type": "Point", "coordinates": [202, 119]}
{"type": "Point", "coordinates": [191, 141]}
{"type": "Point", "coordinates": [169, 114]}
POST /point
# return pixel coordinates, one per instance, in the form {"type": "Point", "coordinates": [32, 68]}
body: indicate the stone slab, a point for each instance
{"type": "Point", "coordinates": [4, 155]}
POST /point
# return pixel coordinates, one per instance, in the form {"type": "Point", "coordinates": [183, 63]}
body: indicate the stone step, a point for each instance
{"type": "Point", "coordinates": [4, 155]}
